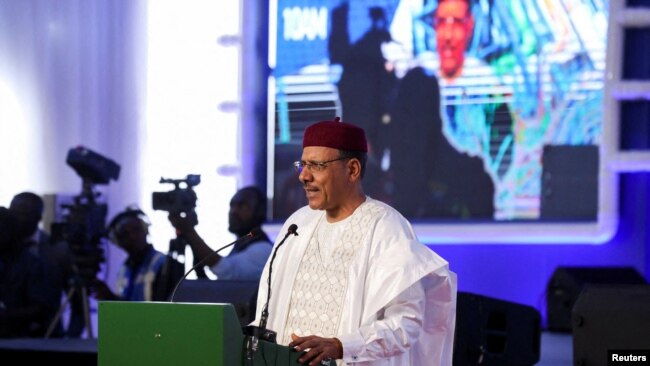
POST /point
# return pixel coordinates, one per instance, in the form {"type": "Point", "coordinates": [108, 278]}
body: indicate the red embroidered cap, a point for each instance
{"type": "Point", "coordinates": [335, 134]}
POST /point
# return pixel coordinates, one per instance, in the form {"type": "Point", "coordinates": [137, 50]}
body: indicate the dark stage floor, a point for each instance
{"type": "Point", "coordinates": [556, 350]}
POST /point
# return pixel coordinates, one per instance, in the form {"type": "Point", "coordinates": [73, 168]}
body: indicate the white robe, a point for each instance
{"type": "Point", "coordinates": [390, 261]}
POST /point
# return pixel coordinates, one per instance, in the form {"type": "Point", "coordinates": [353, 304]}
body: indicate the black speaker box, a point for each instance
{"type": "Point", "coordinates": [610, 318]}
{"type": "Point", "coordinates": [495, 332]}
{"type": "Point", "coordinates": [566, 283]}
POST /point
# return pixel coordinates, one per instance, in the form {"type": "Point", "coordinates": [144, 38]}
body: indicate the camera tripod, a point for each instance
{"type": "Point", "coordinates": [80, 286]}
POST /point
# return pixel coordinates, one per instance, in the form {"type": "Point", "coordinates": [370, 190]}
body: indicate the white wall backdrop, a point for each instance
{"type": "Point", "coordinates": [153, 85]}
{"type": "Point", "coordinates": [192, 76]}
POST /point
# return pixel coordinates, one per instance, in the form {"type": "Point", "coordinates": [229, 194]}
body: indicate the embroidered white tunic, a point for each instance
{"type": "Point", "coordinates": [384, 319]}
{"type": "Point", "coordinates": [322, 280]}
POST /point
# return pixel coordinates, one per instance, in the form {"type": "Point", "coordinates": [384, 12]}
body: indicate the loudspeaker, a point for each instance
{"type": "Point", "coordinates": [566, 283]}
{"type": "Point", "coordinates": [610, 318]}
{"type": "Point", "coordinates": [569, 182]}
{"type": "Point", "coordinates": [495, 332]}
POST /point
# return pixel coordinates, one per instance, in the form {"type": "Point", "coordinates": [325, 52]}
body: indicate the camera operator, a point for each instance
{"type": "Point", "coordinates": [27, 208]}
{"type": "Point", "coordinates": [25, 299]}
{"type": "Point", "coordinates": [144, 274]}
{"type": "Point", "coordinates": [247, 258]}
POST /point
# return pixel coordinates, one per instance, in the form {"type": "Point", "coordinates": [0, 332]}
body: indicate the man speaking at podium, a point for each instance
{"type": "Point", "coordinates": [355, 285]}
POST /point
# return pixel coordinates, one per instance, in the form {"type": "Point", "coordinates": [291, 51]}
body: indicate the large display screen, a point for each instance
{"type": "Point", "coordinates": [483, 114]}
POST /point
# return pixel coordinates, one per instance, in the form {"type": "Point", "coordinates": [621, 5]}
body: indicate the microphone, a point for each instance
{"type": "Point", "coordinates": [265, 311]}
{"type": "Point", "coordinates": [254, 234]}
{"type": "Point", "coordinates": [252, 332]}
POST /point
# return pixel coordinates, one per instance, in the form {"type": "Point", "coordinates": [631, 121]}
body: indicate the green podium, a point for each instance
{"type": "Point", "coordinates": [162, 333]}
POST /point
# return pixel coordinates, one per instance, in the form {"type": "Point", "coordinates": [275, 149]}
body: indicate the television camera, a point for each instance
{"type": "Point", "coordinates": [85, 219]}
{"type": "Point", "coordinates": [181, 199]}
{"type": "Point", "coordinates": [84, 223]}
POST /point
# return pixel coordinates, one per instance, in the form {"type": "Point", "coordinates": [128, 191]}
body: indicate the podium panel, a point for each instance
{"type": "Point", "coordinates": [157, 333]}
{"type": "Point", "coordinates": [162, 333]}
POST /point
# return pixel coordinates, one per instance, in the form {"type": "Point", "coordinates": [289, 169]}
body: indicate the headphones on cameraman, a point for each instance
{"type": "Point", "coordinates": [129, 212]}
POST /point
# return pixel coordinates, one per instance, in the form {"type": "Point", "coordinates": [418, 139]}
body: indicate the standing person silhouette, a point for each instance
{"type": "Point", "coordinates": [27, 207]}
{"type": "Point", "coordinates": [26, 299]}
{"type": "Point", "coordinates": [366, 86]}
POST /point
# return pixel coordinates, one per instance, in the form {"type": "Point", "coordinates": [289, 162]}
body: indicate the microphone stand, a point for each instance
{"type": "Point", "coordinates": [254, 333]}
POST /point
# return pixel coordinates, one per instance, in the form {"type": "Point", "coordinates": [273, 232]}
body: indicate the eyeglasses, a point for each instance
{"type": "Point", "coordinates": [450, 21]}
{"type": "Point", "coordinates": [313, 166]}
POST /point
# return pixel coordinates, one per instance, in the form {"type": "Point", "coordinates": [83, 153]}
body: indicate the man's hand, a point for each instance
{"type": "Point", "coordinates": [183, 222]}
{"type": "Point", "coordinates": [317, 348]}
